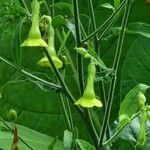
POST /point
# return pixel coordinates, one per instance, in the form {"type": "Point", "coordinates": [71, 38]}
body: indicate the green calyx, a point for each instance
{"type": "Point", "coordinates": [51, 47]}
{"type": "Point", "coordinates": [88, 99]}
{"type": "Point", "coordinates": [34, 36]}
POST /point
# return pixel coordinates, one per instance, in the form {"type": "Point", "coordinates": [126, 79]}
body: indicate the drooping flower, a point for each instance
{"type": "Point", "coordinates": [34, 36]}
{"type": "Point", "coordinates": [44, 62]}
{"type": "Point", "coordinates": [89, 99]}
{"type": "Point", "coordinates": [51, 48]}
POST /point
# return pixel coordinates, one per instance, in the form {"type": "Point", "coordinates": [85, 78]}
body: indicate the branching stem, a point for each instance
{"type": "Point", "coordinates": [115, 67]}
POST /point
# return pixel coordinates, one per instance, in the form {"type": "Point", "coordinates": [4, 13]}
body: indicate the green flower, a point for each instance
{"type": "Point", "coordinates": [85, 102]}
{"type": "Point", "coordinates": [51, 47]}
{"type": "Point", "coordinates": [34, 42]}
{"type": "Point", "coordinates": [88, 99]}
{"type": "Point", "coordinates": [44, 62]}
{"type": "Point", "coordinates": [34, 36]}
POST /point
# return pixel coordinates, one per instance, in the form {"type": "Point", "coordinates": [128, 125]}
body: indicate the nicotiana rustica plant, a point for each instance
{"type": "Point", "coordinates": [64, 84]}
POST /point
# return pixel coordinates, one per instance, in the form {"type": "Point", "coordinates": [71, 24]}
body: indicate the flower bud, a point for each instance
{"type": "Point", "coordinates": [12, 115]}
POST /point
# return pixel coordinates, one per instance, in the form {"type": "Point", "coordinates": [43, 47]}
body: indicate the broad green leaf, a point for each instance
{"type": "Point", "coordinates": [120, 144]}
{"type": "Point", "coordinates": [68, 140]}
{"type": "Point", "coordinates": [52, 145]}
{"type": "Point", "coordinates": [130, 104]}
{"type": "Point", "coordinates": [139, 28]}
{"type": "Point", "coordinates": [59, 21]}
{"type": "Point", "coordinates": [29, 100]}
{"type": "Point", "coordinates": [84, 145]}
{"type": "Point", "coordinates": [131, 133]}
{"type": "Point", "coordinates": [135, 68]}
{"type": "Point", "coordinates": [116, 3]}
{"type": "Point", "coordinates": [36, 140]}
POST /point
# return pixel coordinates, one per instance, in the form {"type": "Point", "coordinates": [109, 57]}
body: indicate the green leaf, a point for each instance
{"type": "Point", "coordinates": [139, 28]}
{"type": "Point", "coordinates": [59, 21]}
{"type": "Point", "coordinates": [53, 144]}
{"type": "Point", "coordinates": [131, 103]}
{"type": "Point", "coordinates": [108, 6]}
{"type": "Point", "coordinates": [36, 140]}
{"type": "Point", "coordinates": [67, 140]}
{"type": "Point", "coordinates": [116, 3]}
{"type": "Point", "coordinates": [120, 144]}
{"type": "Point", "coordinates": [84, 145]}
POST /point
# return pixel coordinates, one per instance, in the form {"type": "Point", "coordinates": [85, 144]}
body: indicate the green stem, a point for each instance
{"type": "Point", "coordinates": [106, 29]}
{"type": "Point", "coordinates": [78, 41]}
{"type": "Point", "coordinates": [60, 79]}
{"type": "Point", "coordinates": [93, 21]}
{"type": "Point", "coordinates": [25, 6]}
{"type": "Point", "coordinates": [18, 136]}
{"type": "Point", "coordinates": [66, 112]}
{"type": "Point", "coordinates": [52, 8]}
{"type": "Point", "coordinates": [62, 41]}
{"type": "Point", "coordinates": [115, 67]}
{"type": "Point", "coordinates": [46, 5]}
{"type": "Point", "coordinates": [84, 116]}
{"type": "Point", "coordinates": [106, 22]}
{"type": "Point", "coordinates": [66, 107]}
{"type": "Point", "coordinates": [116, 134]}
{"type": "Point", "coordinates": [31, 75]}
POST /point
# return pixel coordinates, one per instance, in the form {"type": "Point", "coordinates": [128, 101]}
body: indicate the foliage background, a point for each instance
{"type": "Point", "coordinates": [40, 109]}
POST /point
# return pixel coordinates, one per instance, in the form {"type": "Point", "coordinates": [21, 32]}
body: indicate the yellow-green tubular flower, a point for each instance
{"type": "Point", "coordinates": [43, 62]}
{"type": "Point", "coordinates": [51, 48]}
{"type": "Point", "coordinates": [88, 99]}
{"type": "Point", "coordinates": [34, 36]}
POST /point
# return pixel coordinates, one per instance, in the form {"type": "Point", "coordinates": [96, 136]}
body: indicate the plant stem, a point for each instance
{"type": "Point", "coordinates": [52, 9]}
{"type": "Point", "coordinates": [83, 115]}
{"type": "Point", "coordinates": [116, 134]}
{"type": "Point", "coordinates": [66, 112]}
{"type": "Point", "coordinates": [106, 22]}
{"type": "Point", "coordinates": [31, 75]}
{"type": "Point", "coordinates": [93, 21]}
{"type": "Point", "coordinates": [115, 67]}
{"type": "Point", "coordinates": [106, 29]}
{"type": "Point", "coordinates": [66, 107]}
{"type": "Point", "coordinates": [18, 136]}
{"type": "Point", "coordinates": [46, 5]}
{"type": "Point", "coordinates": [96, 45]}
{"type": "Point", "coordinates": [78, 44]}
{"type": "Point", "coordinates": [60, 79]}
{"type": "Point", "coordinates": [24, 4]}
